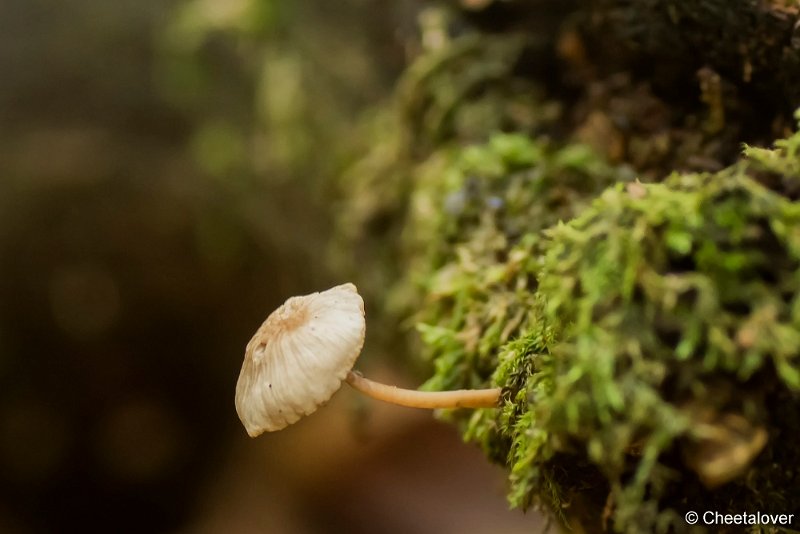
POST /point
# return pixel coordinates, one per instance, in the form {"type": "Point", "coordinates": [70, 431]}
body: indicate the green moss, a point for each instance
{"type": "Point", "coordinates": [649, 348]}
{"type": "Point", "coordinates": [667, 305]}
{"type": "Point", "coordinates": [474, 225]}
{"type": "Point", "coordinates": [646, 336]}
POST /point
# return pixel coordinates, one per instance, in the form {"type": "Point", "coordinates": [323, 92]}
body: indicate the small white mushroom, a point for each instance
{"type": "Point", "coordinates": [298, 358]}
{"type": "Point", "coordinates": [304, 350]}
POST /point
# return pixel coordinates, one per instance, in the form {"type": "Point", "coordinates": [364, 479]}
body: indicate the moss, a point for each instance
{"type": "Point", "coordinates": [667, 305]}
{"type": "Point", "coordinates": [649, 348]}
{"type": "Point", "coordinates": [470, 238]}
{"type": "Point", "coordinates": [646, 336]}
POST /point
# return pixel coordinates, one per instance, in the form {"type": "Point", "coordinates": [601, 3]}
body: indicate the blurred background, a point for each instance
{"type": "Point", "coordinates": [165, 182]}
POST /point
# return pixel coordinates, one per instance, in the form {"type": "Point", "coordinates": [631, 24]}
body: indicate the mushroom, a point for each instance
{"type": "Point", "coordinates": [303, 352]}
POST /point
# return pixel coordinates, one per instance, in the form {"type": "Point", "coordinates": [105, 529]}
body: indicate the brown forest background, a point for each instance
{"type": "Point", "coordinates": [143, 238]}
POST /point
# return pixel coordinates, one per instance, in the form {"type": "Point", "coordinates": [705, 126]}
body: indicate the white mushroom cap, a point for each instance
{"type": "Point", "coordinates": [299, 357]}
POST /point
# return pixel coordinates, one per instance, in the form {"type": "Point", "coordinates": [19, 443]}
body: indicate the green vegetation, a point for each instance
{"type": "Point", "coordinates": [646, 335]}
{"type": "Point", "coordinates": [648, 347]}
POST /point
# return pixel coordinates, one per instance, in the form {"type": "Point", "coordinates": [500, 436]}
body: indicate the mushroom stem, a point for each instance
{"type": "Point", "coordinates": [460, 398]}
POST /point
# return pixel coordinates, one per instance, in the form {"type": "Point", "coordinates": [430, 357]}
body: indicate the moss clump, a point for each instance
{"type": "Point", "coordinates": [474, 221]}
{"type": "Point", "coordinates": [655, 359]}
{"type": "Point", "coordinates": [678, 343]}
{"type": "Point", "coordinates": [473, 241]}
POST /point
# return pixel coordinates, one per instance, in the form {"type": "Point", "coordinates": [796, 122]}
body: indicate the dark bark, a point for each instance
{"type": "Point", "coordinates": [753, 44]}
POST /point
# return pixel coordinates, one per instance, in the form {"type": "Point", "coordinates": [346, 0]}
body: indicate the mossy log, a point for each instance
{"type": "Point", "coordinates": [598, 243]}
